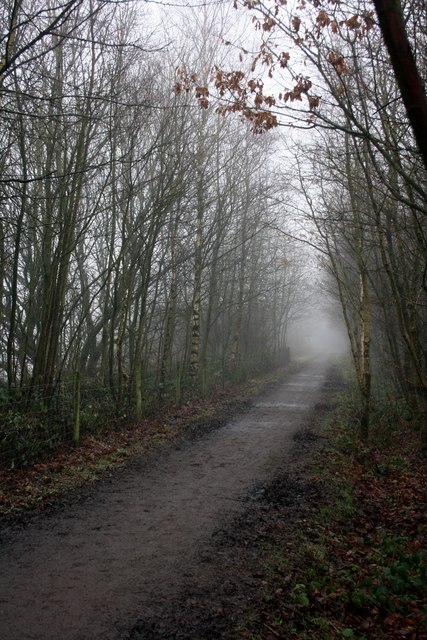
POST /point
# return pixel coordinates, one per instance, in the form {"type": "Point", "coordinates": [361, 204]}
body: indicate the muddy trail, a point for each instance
{"type": "Point", "coordinates": [137, 558]}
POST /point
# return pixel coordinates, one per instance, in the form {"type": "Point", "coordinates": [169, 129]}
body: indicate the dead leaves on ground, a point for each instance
{"type": "Point", "coordinates": [33, 488]}
{"type": "Point", "coordinates": [358, 558]}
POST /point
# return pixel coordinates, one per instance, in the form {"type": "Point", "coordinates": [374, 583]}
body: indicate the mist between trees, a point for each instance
{"type": "Point", "coordinates": [150, 245]}
{"type": "Point", "coordinates": [137, 245]}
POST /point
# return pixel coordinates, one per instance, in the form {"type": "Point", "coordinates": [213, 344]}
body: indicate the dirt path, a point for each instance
{"type": "Point", "coordinates": [125, 552]}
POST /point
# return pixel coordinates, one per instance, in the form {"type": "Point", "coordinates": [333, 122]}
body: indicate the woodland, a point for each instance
{"type": "Point", "coordinates": [180, 185]}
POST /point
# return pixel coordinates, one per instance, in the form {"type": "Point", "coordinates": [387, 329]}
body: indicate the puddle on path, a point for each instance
{"type": "Point", "coordinates": [281, 405]}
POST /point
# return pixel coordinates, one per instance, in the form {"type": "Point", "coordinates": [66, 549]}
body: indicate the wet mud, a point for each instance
{"type": "Point", "coordinates": [168, 548]}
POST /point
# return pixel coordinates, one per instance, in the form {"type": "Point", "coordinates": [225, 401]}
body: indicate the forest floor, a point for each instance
{"type": "Point", "coordinates": [274, 523]}
{"type": "Point", "coordinates": [71, 471]}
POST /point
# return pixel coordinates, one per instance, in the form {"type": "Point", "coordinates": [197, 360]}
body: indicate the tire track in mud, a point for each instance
{"type": "Point", "coordinates": [125, 552]}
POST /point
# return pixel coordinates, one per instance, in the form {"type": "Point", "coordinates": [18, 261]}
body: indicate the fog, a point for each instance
{"type": "Point", "coordinates": [318, 333]}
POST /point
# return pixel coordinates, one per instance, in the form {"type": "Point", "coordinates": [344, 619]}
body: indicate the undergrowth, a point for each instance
{"type": "Point", "coordinates": [355, 565]}
{"type": "Point", "coordinates": [26, 490]}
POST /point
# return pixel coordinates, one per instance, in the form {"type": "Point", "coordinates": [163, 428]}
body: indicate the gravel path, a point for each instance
{"type": "Point", "coordinates": [92, 570]}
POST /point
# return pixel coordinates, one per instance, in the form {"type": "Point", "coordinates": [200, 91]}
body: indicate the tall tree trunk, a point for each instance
{"type": "Point", "coordinates": [198, 259]}
{"type": "Point", "coordinates": [412, 89]}
{"type": "Point", "coordinates": [234, 348]}
{"type": "Point", "coordinates": [11, 372]}
{"type": "Point", "coordinates": [170, 313]}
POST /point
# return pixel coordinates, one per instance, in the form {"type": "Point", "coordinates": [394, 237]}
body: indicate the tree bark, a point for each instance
{"type": "Point", "coordinates": [392, 23]}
